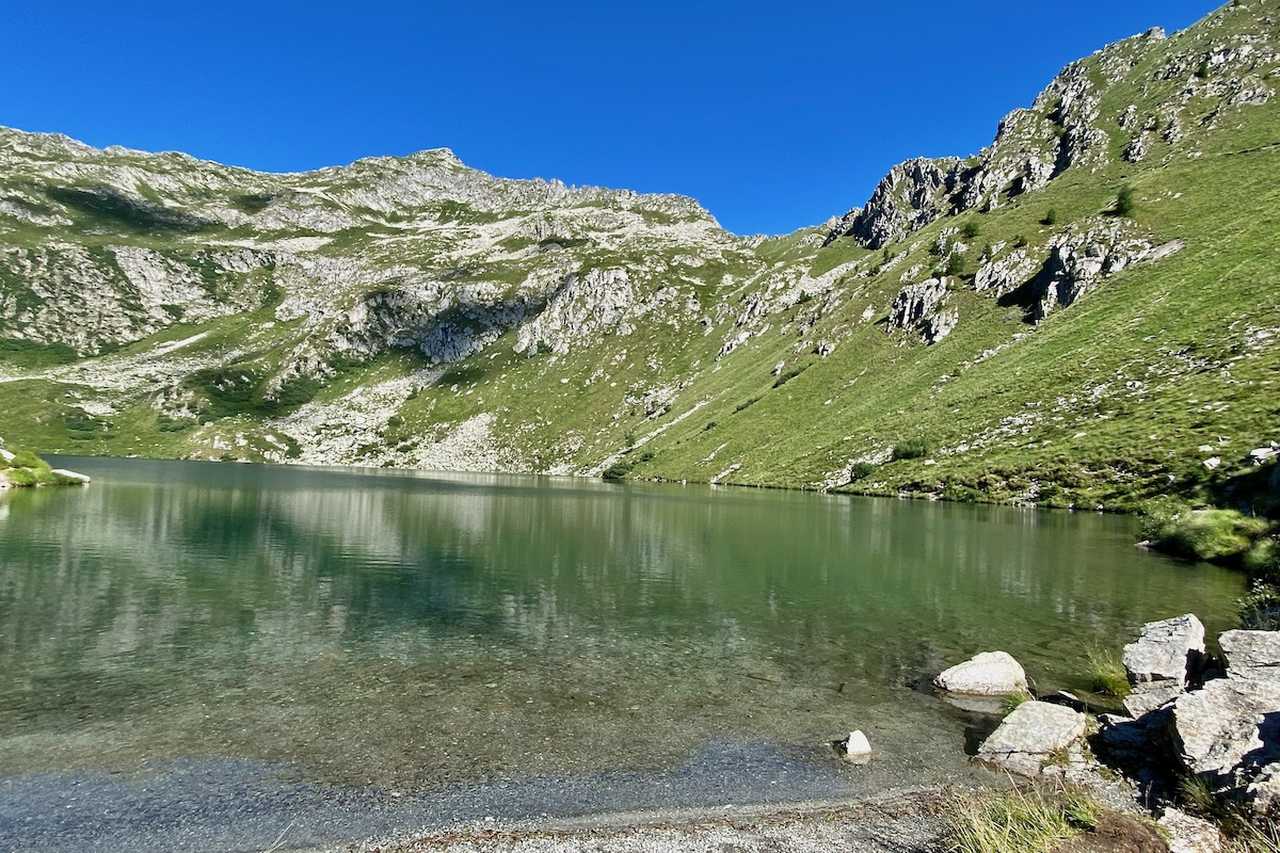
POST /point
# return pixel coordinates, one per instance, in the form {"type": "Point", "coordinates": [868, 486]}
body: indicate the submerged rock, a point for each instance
{"type": "Point", "coordinates": [1029, 737]}
{"type": "Point", "coordinates": [984, 674]}
{"type": "Point", "coordinates": [72, 477]}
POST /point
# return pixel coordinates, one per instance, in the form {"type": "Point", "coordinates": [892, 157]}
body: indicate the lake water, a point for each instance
{"type": "Point", "coordinates": [469, 645]}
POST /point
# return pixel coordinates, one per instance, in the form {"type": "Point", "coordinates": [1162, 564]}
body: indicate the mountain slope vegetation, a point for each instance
{"type": "Point", "coordinates": [1085, 313]}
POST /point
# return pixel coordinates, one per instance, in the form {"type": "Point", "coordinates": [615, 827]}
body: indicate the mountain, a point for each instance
{"type": "Point", "coordinates": [1086, 312]}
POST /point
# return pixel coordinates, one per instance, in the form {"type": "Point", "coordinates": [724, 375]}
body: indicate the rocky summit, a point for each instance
{"type": "Point", "coordinates": [1084, 313]}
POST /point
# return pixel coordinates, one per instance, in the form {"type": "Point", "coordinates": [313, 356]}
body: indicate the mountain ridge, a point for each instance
{"type": "Point", "coordinates": [382, 313]}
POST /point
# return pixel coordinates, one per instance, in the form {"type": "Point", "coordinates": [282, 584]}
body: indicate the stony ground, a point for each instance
{"type": "Point", "coordinates": [909, 822]}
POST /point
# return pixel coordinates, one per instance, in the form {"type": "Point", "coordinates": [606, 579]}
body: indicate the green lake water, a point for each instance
{"type": "Point", "coordinates": [409, 631]}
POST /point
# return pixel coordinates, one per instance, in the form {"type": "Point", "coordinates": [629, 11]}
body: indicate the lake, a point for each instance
{"type": "Point", "coordinates": [230, 650]}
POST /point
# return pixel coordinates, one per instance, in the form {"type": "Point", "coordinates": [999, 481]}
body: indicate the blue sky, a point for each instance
{"type": "Point", "coordinates": [773, 115]}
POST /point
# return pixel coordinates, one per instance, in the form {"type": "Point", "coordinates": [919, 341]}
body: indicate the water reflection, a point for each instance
{"type": "Point", "coordinates": [328, 617]}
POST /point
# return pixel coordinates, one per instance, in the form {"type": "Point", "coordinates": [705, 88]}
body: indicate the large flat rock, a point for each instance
{"type": "Point", "coordinates": [1030, 735]}
{"type": "Point", "coordinates": [1252, 654]}
{"type": "Point", "coordinates": [1227, 730]}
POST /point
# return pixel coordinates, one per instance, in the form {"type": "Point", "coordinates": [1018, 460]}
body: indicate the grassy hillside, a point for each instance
{"type": "Point", "coordinates": [414, 312]}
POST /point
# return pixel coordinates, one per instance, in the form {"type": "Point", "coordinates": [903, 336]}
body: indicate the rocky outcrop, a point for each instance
{"type": "Point", "coordinates": [920, 308]}
{"type": "Point", "coordinates": [1030, 736]}
{"type": "Point", "coordinates": [581, 307]}
{"type": "Point", "coordinates": [910, 196]}
{"type": "Point", "coordinates": [1081, 258]}
{"type": "Point", "coordinates": [984, 674]}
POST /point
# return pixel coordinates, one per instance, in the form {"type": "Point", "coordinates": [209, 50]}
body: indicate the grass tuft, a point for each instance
{"type": "Point", "coordinates": [1106, 674]}
{"type": "Point", "coordinates": [1018, 821]}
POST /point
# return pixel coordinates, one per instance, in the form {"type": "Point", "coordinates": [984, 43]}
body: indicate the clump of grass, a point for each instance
{"type": "Point", "coordinates": [1106, 674]}
{"type": "Point", "coordinates": [745, 404]}
{"type": "Point", "coordinates": [1018, 821]}
{"type": "Point", "coordinates": [1011, 701]}
{"type": "Point", "coordinates": [911, 448]}
{"type": "Point", "coordinates": [710, 425]}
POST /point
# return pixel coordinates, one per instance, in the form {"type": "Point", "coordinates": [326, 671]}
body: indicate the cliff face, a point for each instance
{"type": "Point", "coordinates": [1043, 334]}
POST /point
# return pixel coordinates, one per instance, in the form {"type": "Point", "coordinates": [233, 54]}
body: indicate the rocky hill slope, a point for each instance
{"type": "Point", "coordinates": [1086, 312]}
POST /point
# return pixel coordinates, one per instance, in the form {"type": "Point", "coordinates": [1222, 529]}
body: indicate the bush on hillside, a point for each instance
{"type": "Point", "coordinates": [971, 230]}
{"type": "Point", "coordinates": [1124, 201]}
{"type": "Point", "coordinates": [911, 448]}
{"type": "Point", "coordinates": [859, 470]}
{"type": "Point", "coordinates": [1050, 217]}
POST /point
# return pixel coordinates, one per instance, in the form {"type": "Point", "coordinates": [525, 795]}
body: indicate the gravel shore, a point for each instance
{"type": "Point", "coordinates": [904, 821]}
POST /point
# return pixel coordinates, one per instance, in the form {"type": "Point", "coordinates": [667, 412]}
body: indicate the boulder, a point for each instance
{"type": "Point", "coordinates": [1228, 730]}
{"type": "Point", "coordinates": [1252, 654]}
{"type": "Point", "coordinates": [855, 748]}
{"type": "Point", "coordinates": [1146, 698]}
{"type": "Point", "coordinates": [984, 674]}
{"type": "Point", "coordinates": [1030, 735]}
{"type": "Point", "coordinates": [1167, 651]}
{"type": "Point", "coordinates": [1187, 834]}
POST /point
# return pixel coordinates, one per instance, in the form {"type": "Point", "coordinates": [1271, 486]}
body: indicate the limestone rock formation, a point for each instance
{"type": "Point", "coordinates": [920, 308]}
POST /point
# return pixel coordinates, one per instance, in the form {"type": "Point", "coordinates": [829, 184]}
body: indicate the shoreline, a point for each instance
{"type": "Point", "coordinates": [883, 822]}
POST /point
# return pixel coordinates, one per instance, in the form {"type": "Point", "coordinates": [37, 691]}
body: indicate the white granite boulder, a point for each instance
{"type": "Point", "coordinates": [985, 674]}
{"type": "Point", "coordinates": [1168, 650]}
{"type": "Point", "coordinates": [1030, 735]}
{"type": "Point", "coordinates": [1252, 654]}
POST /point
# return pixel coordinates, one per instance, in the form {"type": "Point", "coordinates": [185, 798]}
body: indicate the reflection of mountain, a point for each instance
{"type": "Point", "coordinates": [198, 555]}
{"type": "Point", "coordinates": [333, 617]}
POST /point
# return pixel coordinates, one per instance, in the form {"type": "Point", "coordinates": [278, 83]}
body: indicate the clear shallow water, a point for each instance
{"type": "Point", "coordinates": [412, 632]}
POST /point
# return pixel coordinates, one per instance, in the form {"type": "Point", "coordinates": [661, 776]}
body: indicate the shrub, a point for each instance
{"type": "Point", "coordinates": [710, 425]}
{"type": "Point", "coordinates": [955, 265]}
{"type": "Point", "coordinates": [912, 448]}
{"type": "Point", "coordinates": [1202, 70]}
{"type": "Point", "coordinates": [971, 230]}
{"type": "Point", "coordinates": [859, 470]}
{"type": "Point", "coordinates": [1106, 674]}
{"type": "Point", "coordinates": [617, 471]}
{"type": "Point", "coordinates": [21, 476]}
{"type": "Point", "coordinates": [1260, 609]}
{"type": "Point", "coordinates": [745, 404]}
{"type": "Point", "coordinates": [786, 377]}
{"type": "Point", "coordinates": [27, 459]}
{"type": "Point", "coordinates": [1020, 241]}
{"type": "Point", "coordinates": [1124, 201]}
{"type": "Point", "coordinates": [1215, 535]}
{"type": "Point", "coordinates": [1050, 217]}
{"type": "Point", "coordinates": [937, 247]}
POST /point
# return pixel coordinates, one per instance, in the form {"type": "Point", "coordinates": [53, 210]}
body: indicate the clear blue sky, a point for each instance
{"type": "Point", "coordinates": [773, 115]}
